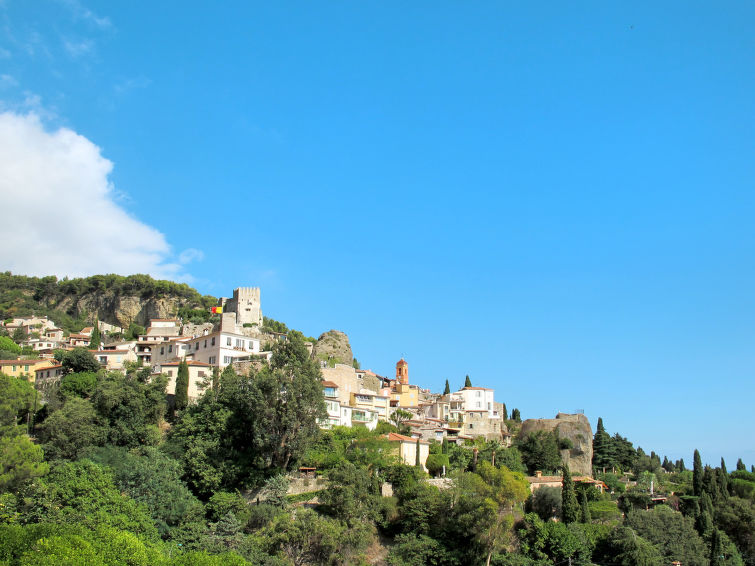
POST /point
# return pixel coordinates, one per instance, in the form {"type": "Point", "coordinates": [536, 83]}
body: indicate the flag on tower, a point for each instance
{"type": "Point", "coordinates": [216, 310]}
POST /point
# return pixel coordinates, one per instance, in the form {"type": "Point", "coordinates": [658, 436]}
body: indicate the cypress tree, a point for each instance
{"type": "Point", "coordinates": [602, 447]}
{"type": "Point", "coordinates": [516, 416]}
{"type": "Point", "coordinates": [447, 390]}
{"type": "Point", "coordinates": [569, 505]}
{"type": "Point", "coordinates": [710, 485]}
{"type": "Point", "coordinates": [444, 446]}
{"type": "Point", "coordinates": [416, 457]}
{"type": "Point", "coordinates": [467, 382]}
{"type": "Point", "coordinates": [680, 467]}
{"type": "Point", "coordinates": [505, 413]}
{"type": "Point", "coordinates": [741, 465]}
{"type": "Point", "coordinates": [585, 508]}
{"type": "Point", "coordinates": [697, 474]}
{"type": "Point", "coordinates": [717, 557]}
{"type": "Point", "coordinates": [181, 396]}
{"type": "Point", "coordinates": [215, 378]}
{"type": "Point", "coordinates": [96, 338]}
{"type": "Point", "coordinates": [723, 479]}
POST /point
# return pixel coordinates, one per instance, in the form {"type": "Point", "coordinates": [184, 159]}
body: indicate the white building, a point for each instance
{"type": "Point", "coordinates": [221, 348]}
{"type": "Point", "coordinates": [476, 398]}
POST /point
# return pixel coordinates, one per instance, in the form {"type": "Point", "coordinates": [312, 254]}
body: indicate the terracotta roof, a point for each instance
{"type": "Point", "coordinates": [401, 438]}
{"type": "Point", "coordinates": [49, 367]}
{"type": "Point", "coordinates": [329, 384]}
{"type": "Point", "coordinates": [188, 362]}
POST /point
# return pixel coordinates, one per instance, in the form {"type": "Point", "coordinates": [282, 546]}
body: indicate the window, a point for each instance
{"type": "Point", "coordinates": [239, 343]}
{"type": "Point", "coordinates": [212, 360]}
{"type": "Point", "coordinates": [251, 345]}
{"type": "Point", "coordinates": [205, 343]}
{"type": "Point", "coordinates": [227, 359]}
{"type": "Point", "coordinates": [478, 393]}
{"type": "Point", "coordinates": [170, 348]}
{"type": "Point", "coordinates": [162, 351]}
{"type": "Point", "coordinates": [478, 404]}
{"type": "Point", "coordinates": [228, 341]}
{"type": "Point", "coordinates": [212, 342]}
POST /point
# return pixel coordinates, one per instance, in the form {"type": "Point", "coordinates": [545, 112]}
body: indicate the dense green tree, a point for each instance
{"type": "Point", "coordinates": [584, 515]}
{"type": "Point", "coordinates": [516, 416]}
{"type": "Point", "coordinates": [436, 462]}
{"type": "Point", "coordinates": [741, 465]}
{"type": "Point", "coordinates": [624, 453]}
{"type": "Point", "coordinates": [17, 399]}
{"type": "Point", "coordinates": [697, 474]}
{"type": "Point", "coordinates": [505, 413]}
{"type": "Point", "coordinates": [736, 517]}
{"type": "Point", "coordinates": [152, 478]}
{"type": "Point", "coordinates": [539, 451]}
{"type": "Point", "coordinates": [624, 547]}
{"type": "Point", "coordinates": [130, 409]}
{"type": "Point", "coordinates": [679, 465]}
{"type": "Point", "coordinates": [79, 360]}
{"type": "Point", "coordinates": [723, 480]}
{"type": "Point", "coordinates": [353, 494]}
{"type": "Point", "coordinates": [96, 337]}
{"type": "Point", "coordinates": [569, 504]}
{"type": "Point", "coordinates": [181, 397]}
{"type": "Point", "coordinates": [20, 460]}
{"type": "Point", "coordinates": [84, 493]}
{"type": "Point", "coordinates": [71, 429]}
{"type": "Point", "coordinates": [8, 345]}
{"type": "Point", "coordinates": [672, 533]}
{"type": "Point", "coordinates": [411, 549]}
{"type": "Point", "coordinates": [447, 389]}
{"type": "Point", "coordinates": [281, 405]}
{"type": "Point", "coordinates": [78, 384]}
{"type": "Point", "coordinates": [467, 382]}
{"type": "Point", "coordinates": [546, 502]}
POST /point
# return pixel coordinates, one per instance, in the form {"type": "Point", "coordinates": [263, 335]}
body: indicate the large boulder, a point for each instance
{"type": "Point", "coordinates": [577, 429]}
{"type": "Point", "coordinates": [333, 347]}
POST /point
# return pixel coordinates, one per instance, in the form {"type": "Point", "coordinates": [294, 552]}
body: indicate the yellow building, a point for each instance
{"type": "Point", "coordinates": [20, 368]}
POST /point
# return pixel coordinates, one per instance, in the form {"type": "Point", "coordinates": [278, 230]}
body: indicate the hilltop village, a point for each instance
{"type": "Point", "coordinates": [353, 396]}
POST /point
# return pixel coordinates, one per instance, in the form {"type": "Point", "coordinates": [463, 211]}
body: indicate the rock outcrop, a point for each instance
{"type": "Point", "coordinates": [122, 310]}
{"type": "Point", "coordinates": [333, 347]}
{"type": "Point", "coordinates": [577, 429]}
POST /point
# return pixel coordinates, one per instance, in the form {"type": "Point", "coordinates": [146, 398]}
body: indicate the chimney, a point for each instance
{"type": "Point", "coordinates": [538, 474]}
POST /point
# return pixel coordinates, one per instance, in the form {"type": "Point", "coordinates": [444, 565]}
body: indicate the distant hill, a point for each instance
{"type": "Point", "coordinates": [115, 299]}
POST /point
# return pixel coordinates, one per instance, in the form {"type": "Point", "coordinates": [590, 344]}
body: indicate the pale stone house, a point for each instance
{"type": "Point", "coordinates": [199, 374]}
{"type": "Point", "coordinates": [406, 447]}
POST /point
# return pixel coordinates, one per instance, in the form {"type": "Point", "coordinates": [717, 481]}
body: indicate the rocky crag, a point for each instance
{"type": "Point", "coordinates": [577, 429]}
{"type": "Point", "coordinates": [333, 347]}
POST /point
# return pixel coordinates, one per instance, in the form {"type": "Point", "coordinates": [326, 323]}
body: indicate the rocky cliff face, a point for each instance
{"type": "Point", "coordinates": [334, 345]}
{"type": "Point", "coordinates": [574, 427]}
{"type": "Point", "coordinates": [122, 310]}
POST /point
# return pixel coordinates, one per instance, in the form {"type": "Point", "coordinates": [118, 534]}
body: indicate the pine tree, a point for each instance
{"type": "Point", "coordinates": [181, 397]}
{"type": "Point", "coordinates": [697, 474]}
{"type": "Point", "coordinates": [585, 508]}
{"type": "Point", "coordinates": [447, 390]}
{"type": "Point", "coordinates": [569, 505]}
{"type": "Point", "coordinates": [96, 338]}
{"type": "Point", "coordinates": [467, 382]}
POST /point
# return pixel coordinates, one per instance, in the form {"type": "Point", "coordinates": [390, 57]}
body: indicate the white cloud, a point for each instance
{"type": "Point", "coordinates": [59, 214]}
{"type": "Point", "coordinates": [81, 12]}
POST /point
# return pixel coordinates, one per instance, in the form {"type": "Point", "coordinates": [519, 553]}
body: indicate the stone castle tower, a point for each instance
{"type": "Point", "coordinates": [246, 304]}
{"type": "Point", "coordinates": [402, 372]}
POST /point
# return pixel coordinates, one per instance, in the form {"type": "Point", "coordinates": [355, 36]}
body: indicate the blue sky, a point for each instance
{"type": "Point", "coordinates": [554, 199]}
